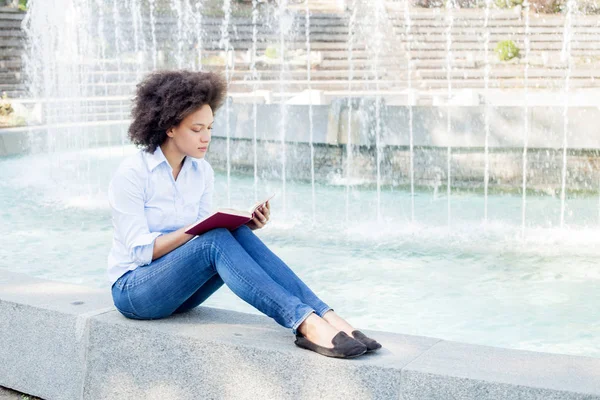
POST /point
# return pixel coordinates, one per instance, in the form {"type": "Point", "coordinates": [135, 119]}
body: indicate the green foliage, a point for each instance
{"type": "Point", "coordinates": [507, 50]}
{"type": "Point", "coordinates": [23, 5]}
{"type": "Point", "coordinates": [5, 106]}
{"type": "Point", "coordinates": [272, 52]}
{"type": "Point", "coordinates": [508, 3]}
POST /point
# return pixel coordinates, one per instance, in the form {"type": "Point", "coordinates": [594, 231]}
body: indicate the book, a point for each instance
{"type": "Point", "coordinates": [225, 218]}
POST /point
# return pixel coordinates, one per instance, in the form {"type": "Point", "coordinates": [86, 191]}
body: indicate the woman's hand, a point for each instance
{"type": "Point", "coordinates": [261, 217]}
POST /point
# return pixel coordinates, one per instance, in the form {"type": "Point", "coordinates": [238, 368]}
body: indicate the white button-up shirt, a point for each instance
{"type": "Point", "coordinates": [146, 202]}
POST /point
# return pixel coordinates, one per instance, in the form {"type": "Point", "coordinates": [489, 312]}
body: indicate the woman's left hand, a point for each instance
{"type": "Point", "coordinates": [261, 217]}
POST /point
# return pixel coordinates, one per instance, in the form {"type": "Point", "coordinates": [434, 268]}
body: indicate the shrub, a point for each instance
{"type": "Point", "coordinates": [507, 3]}
{"type": "Point", "coordinates": [5, 107]}
{"type": "Point", "coordinates": [547, 6]}
{"type": "Point", "coordinates": [272, 52]}
{"type": "Point", "coordinates": [507, 50]}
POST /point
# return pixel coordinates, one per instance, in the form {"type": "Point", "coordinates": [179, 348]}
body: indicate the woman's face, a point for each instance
{"type": "Point", "coordinates": [192, 135]}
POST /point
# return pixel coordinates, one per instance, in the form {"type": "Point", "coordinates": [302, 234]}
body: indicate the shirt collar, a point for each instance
{"type": "Point", "coordinates": [158, 158]}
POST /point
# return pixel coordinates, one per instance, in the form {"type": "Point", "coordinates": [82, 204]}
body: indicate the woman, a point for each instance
{"type": "Point", "coordinates": [155, 269]}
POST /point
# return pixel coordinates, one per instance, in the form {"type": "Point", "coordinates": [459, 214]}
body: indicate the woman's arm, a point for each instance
{"type": "Point", "coordinates": [169, 242]}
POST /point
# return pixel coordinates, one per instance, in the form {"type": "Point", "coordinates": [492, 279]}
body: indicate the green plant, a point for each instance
{"type": "Point", "coordinates": [272, 52]}
{"type": "Point", "coordinates": [507, 50]}
{"type": "Point", "coordinates": [507, 3]}
{"type": "Point", "coordinates": [5, 107]}
{"type": "Point", "coordinates": [22, 5]}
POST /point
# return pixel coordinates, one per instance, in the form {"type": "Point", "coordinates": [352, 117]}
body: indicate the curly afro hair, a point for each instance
{"type": "Point", "coordinates": [164, 98]}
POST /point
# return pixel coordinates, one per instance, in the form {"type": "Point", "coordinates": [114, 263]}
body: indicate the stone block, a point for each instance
{"type": "Point", "coordinates": [220, 354]}
{"type": "Point", "coordinates": [44, 334]}
{"type": "Point", "coordinates": [455, 370]}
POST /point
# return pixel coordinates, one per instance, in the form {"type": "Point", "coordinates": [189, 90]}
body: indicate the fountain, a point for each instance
{"type": "Point", "coordinates": [526, 117]}
{"type": "Point", "coordinates": [566, 58]}
{"type": "Point", "coordinates": [486, 81]}
{"type": "Point", "coordinates": [369, 201]}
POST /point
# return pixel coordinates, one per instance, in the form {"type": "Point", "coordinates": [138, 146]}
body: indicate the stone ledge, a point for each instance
{"type": "Point", "coordinates": [58, 348]}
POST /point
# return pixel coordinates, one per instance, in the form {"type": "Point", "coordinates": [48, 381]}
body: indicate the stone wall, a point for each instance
{"type": "Point", "coordinates": [430, 140]}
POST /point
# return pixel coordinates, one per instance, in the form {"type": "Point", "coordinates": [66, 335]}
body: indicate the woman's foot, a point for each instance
{"type": "Point", "coordinates": [318, 331]}
{"type": "Point", "coordinates": [339, 323]}
{"type": "Point", "coordinates": [318, 335]}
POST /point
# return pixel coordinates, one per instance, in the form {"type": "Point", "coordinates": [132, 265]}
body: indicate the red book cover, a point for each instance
{"type": "Point", "coordinates": [224, 218]}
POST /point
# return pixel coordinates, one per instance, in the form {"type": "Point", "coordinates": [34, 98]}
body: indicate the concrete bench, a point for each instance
{"type": "Point", "coordinates": [65, 341]}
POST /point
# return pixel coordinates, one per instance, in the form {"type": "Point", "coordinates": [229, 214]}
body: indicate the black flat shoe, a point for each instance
{"type": "Point", "coordinates": [371, 344]}
{"type": "Point", "coordinates": [343, 346]}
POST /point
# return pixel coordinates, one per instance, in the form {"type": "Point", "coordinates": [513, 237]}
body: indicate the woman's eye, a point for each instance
{"type": "Point", "coordinates": [210, 128]}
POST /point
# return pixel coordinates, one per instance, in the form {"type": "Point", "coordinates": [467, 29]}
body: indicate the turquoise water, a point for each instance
{"type": "Point", "coordinates": [470, 282]}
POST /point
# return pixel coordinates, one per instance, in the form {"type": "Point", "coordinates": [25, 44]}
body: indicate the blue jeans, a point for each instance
{"type": "Point", "coordinates": [185, 277]}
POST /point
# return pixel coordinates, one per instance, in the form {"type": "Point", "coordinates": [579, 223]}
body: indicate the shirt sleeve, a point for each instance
{"type": "Point", "coordinates": [126, 198]}
{"type": "Point", "coordinates": [207, 196]}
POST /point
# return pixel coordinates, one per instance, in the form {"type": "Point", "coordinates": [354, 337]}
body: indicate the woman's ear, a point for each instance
{"type": "Point", "coordinates": [170, 132]}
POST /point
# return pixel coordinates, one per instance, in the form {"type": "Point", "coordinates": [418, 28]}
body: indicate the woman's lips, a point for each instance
{"type": "Point", "coordinates": [203, 148]}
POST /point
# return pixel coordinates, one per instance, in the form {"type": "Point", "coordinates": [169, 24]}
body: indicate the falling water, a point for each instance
{"type": "Point", "coordinates": [486, 80]}
{"type": "Point", "coordinates": [450, 5]}
{"type": "Point", "coordinates": [198, 27]}
{"type": "Point", "coordinates": [84, 35]}
{"type": "Point", "coordinates": [408, 25]}
{"type": "Point", "coordinates": [526, 118]}
{"type": "Point", "coordinates": [254, 89]}
{"type": "Point", "coordinates": [226, 46]}
{"type": "Point", "coordinates": [136, 13]}
{"type": "Point", "coordinates": [310, 114]}
{"type": "Point", "coordinates": [176, 6]}
{"type": "Point", "coordinates": [566, 57]}
{"type": "Point", "coordinates": [188, 15]}
{"type": "Point", "coordinates": [102, 63]}
{"type": "Point", "coordinates": [118, 40]}
{"type": "Point", "coordinates": [282, 7]}
{"type": "Point", "coordinates": [350, 41]}
{"type": "Point", "coordinates": [378, 7]}
{"type": "Point", "coordinates": [153, 33]}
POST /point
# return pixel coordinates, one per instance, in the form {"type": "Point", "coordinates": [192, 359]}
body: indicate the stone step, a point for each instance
{"type": "Point", "coordinates": [505, 84]}
{"type": "Point", "coordinates": [508, 73]}
{"type": "Point", "coordinates": [9, 24]}
{"type": "Point", "coordinates": [11, 42]}
{"type": "Point", "coordinates": [130, 77]}
{"type": "Point", "coordinates": [15, 94]}
{"type": "Point", "coordinates": [11, 33]}
{"type": "Point", "coordinates": [492, 25]}
{"type": "Point", "coordinates": [478, 38]}
{"type": "Point", "coordinates": [421, 14]}
{"type": "Point", "coordinates": [10, 64]}
{"type": "Point", "coordinates": [317, 19]}
{"type": "Point", "coordinates": [479, 46]}
{"type": "Point", "coordinates": [11, 16]}
{"type": "Point", "coordinates": [290, 45]}
{"type": "Point", "coordinates": [215, 30]}
{"type": "Point", "coordinates": [356, 64]}
{"type": "Point", "coordinates": [437, 54]}
{"type": "Point", "coordinates": [11, 87]}
{"type": "Point", "coordinates": [477, 30]}
{"type": "Point", "coordinates": [10, 77]}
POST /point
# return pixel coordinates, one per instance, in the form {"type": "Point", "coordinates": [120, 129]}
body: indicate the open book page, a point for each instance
{"type": "Point", "coordinates": [260, 203]}
{"type": "Point", "coordinates": [232, 211]}
{"type": "Point", "coordinates": [224, 218]}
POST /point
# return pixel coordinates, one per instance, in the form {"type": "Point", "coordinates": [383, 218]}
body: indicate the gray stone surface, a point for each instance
{"type": "Point", "coordinates": [463, 371]}
{"type": "Point", "coordinates": [55, 349]}
{"type": "Point", "coordinates": [42, 351]}
{"type": "Point", "coordinates": [212, 353]}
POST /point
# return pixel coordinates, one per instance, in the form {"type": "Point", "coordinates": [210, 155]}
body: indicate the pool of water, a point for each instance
{"type": "Point", "coordinates": [471, 282]}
